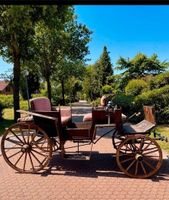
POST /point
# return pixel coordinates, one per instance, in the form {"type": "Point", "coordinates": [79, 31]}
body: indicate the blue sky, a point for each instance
{"type": "Point", "coordinates": [125, 30]}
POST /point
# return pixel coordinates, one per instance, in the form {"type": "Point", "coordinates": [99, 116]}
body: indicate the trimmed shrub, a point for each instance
{"type": "Point", "coordinates": [158, 97]}
{"type": "Point", "coordinates": [136, 87]}
{"type": "Point", "coordinates": [107, 89]}
{"type": "Point", "coordinates": [6, 101]}
{"type": "Point", "coordinates": [125, 102]}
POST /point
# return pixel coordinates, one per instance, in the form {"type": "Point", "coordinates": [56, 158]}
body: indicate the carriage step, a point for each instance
{"type": "Point", "coordinates": [76, 156]}
{"type": "Point", "coordinates": [81, 141]}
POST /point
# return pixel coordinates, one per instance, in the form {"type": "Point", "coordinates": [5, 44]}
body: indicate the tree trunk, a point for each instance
{"type": "Point", "coordinates": [63, 92]}
{"type": "Point", "coordinates": [16, 74]}
{"type": "Point", "coordinates": [48, 87]}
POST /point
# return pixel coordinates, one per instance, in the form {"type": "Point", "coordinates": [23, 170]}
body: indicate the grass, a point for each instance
{"type": "Point", "coordinates": [164, 131]}
{"type": "Point", "coordinates": [8, 117]}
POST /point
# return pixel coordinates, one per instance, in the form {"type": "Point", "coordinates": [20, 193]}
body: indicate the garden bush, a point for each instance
{"type": "Point", "coordinates": [107, 89]}
{"type": "Point", "coordinates": [136, 87]}
{"type": "Point", "coordinates": [159, 81]}
{"type": "Point", "coordinates": [23, 104]}
{"type": "Point", "coordinates": [157, 97]}
{"type": "Point", "coordinates": [125, 102]}
{"type": "Point", "coordinates": [6, 101]}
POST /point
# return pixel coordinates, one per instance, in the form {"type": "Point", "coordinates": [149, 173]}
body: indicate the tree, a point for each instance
{"type": "Point", "coordinates": [49, 41]}
{"type": "Point", "coordinates": [104, 67]}
{"type": "Point", "coordinates": [139, 67]}
{"type": "Point", "coordinates": [16, 29]}
{"type": "Point", "coordinates": [90, 83]}
{"type": "Point", "coordinates": [102, 73]}
{"type": "Point", "coordinates": [65, 70]}
{"type": "Point", "coordinates": [61, 46]}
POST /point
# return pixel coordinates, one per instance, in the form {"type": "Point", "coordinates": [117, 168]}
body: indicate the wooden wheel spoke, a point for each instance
{"type": "Point", "coordinates": [43, 143]}
{"type": "Point", "coordinates": [31, 160]}
{"type": "Point", "coordinates": [150, 152]}
{"type": "Point", "coordinates": [14, 141]}
{"type": "Point", "coordinates": [38, 140]}
{"type": "Point", "coordinates": [144, 170]}
{"type": "Point", "coordinates": [151, 157]}
{"type": "Point", "coordinates": [19, 158]}
{"type": "Point", "coordinates": [131, 164]}
{"type": "Point", "coordinates": [136, 169]}
{"type": "Point", "coordinates": [38, 153]}
{"type": "Point", "coordinates": [22, 134]}
{"type": "Point", "coordinates": [147, 146]}
{"type": "Point", "coordinates": [125, 154]}
{"type": "Point", "coordinates": [38, 159]}
{"type": "Point", "coordinates": [133, 147]}
{"type": "Point", "coordinates": [35, 157]}
{"type": "Point", "coordinates": [153, 148]}
{"type": "Point", "coordinates": [24, 164]}
{"type": "Point", "coordinates": [148, 164]}
{"type": "Point", "coordinates": [43, 160]}
{"type": "Point", "coordinates": [14, 154]}
{"type": "Point", "coordinates": [28, 134]}
{"type": "Point", "coordinates": [12, 148]}
{"type": "Point", "coordinates": [141, 144]}
{"type": "Point", "coordinates": [16, 136]}
{"type": "Point", "coordinates": [127, 148]}
{"type": "Point", "coordinates": [128, 159]}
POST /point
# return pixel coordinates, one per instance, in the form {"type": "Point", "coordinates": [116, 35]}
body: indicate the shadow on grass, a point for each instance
{"type": "Point", "coordinates": [5, 123]}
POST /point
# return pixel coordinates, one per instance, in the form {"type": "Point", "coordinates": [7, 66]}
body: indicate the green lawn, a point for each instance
{"type": "Point", "coordinates": [8, 117]}
{"type": "Point", "coordinates": [164, 131]}
{"type": "Point", "coordinates": [8, 120]}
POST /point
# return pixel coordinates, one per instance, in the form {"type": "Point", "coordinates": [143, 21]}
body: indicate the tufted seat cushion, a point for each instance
{"type": "Point", "coordinates": [65, 120]}
{"type": "Point", "coordinates": [87, 117]}
{"type": "Point", "coordinates": [40, 103]}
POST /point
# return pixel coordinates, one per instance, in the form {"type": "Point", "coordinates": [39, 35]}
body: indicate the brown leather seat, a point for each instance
{"type": "Point", "coordinates": [43, 104]}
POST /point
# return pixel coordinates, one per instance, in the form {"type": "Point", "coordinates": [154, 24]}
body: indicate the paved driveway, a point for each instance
{"type": "Point", "coordinates": [96, 179]}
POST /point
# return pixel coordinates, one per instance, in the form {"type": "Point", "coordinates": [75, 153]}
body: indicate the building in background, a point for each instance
{"type": "Point", "coordinates": [5, 87]}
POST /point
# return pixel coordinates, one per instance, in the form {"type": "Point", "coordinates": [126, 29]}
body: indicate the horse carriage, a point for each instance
{"type": "Point", "coordinates": [28, 146]}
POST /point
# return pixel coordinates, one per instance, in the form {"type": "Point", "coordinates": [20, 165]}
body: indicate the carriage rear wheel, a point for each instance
{"type": "Point", "coordinates": [139, 156]}
{"type": "Point", "coordinates": [26, 147]}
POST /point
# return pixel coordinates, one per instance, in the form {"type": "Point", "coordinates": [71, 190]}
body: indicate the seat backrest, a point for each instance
{"type": "Point", "coordinates": [100, 116]}
{"type": "Point", "coordinates": [40, 103]}
{"type": "Point", "coordinates": [149, 114]}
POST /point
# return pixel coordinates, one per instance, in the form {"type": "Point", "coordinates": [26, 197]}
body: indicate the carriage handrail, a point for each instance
{"type": "Point", "coordinates": [36, 114]}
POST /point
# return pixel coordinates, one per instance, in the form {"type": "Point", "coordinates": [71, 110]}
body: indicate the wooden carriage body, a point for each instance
{"type": "Point", "coordinates": [45, 134]}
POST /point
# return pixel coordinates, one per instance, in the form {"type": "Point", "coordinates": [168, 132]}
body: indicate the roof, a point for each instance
{"type": "Point", "coordinates": [3, 85]}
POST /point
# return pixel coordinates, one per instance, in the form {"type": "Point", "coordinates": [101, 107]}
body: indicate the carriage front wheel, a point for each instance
{"type": "Point", "coordinates": [139, 156]}
{"type": "Point", "coordinates": [26, 147]}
